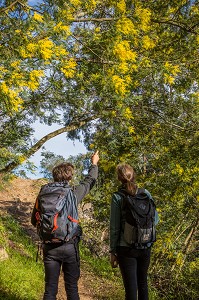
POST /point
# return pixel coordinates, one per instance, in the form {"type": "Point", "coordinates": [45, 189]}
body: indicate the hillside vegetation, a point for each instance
{"type": "Point", "coordinates": [22, 278]}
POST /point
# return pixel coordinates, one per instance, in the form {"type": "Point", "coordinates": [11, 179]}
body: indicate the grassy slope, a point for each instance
{"type": "Point", "coordinates": [21, 277]}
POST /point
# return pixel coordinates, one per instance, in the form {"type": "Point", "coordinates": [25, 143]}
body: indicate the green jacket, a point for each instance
{"type": "Point", "coordinates": [117, 220]}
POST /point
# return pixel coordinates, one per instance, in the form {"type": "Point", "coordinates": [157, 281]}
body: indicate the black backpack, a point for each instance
{"type": "Point", "coordinates": [56, 213]}
{"type": "Point", "coordinates": [139, 211]}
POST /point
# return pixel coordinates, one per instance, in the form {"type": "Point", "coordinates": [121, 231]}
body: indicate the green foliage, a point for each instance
{"type": "Point", "coordinates": [48, 162]}
{"type": "Point", "coordinates": [80, 162]}
{"type": "Point", "coordinates": [167, 164]}
{"type": "Point", "coordinates": [94, 61]}
{"type": "Point", "coordinates": [124, 76]}
{"type": "Point", "coordinates": [21, 276]}
{"type": "Point", "coordinates": [164, 157]}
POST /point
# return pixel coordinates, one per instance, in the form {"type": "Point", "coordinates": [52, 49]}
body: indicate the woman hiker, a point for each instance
{"type": "Point", "coordinates": [133, 260]}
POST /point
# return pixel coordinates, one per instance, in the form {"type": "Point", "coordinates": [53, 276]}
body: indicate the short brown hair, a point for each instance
{"type": "Point", "coordinates": [63, 172]}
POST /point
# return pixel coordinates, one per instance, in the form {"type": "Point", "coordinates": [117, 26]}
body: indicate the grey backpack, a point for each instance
{"type": "Point", "coordinates": [56, 212]}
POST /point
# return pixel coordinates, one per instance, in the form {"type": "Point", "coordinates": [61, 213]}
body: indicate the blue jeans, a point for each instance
{"type": "Point", "coordinates": [134, 266]}
{"type": "Point", "coordinates": [65, 256]}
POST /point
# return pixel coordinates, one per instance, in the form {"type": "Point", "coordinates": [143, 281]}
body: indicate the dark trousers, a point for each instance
{"type": "Point", "coordinates": [65, 256]}
{"type": "Point", "coordinates": [134, 266]}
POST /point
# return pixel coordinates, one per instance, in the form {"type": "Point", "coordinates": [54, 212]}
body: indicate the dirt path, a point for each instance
{"type": "Point", "coordinates": [83, 292]}
{"type": "Point", "coordinates": [18, 200]}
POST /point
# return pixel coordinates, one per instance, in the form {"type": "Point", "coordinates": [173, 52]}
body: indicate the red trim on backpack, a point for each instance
{"type": "Point", "coordinates": [37, 203]}
{"type": "Point", "coordinates": [37, 216]}
{"type": "Point", "coordinates": [55, 226]}
{"type": "Point", "coordinates": [73, 220]}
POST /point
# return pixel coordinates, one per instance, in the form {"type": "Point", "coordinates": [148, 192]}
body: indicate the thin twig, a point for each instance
{"type": "Point", "coordinates": [94, 20]}
{"type": "Point", "coordinates": [87, 47]}
{"type": "Point", "coordinates": [9, 6]}
{"type": "Point", "coordinates": [173, 23]}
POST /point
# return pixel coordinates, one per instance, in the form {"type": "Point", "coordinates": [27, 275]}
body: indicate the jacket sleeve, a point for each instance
{"type": "Point", "coordinates": [86, 184]}
{"type": "Point", "coordinates": [115, 223]}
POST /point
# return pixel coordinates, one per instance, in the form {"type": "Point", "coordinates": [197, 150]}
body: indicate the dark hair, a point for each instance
{"type": "Point", "coordinates": [63, 172]}
{"type": "Point", "coordinates": [126, 175]}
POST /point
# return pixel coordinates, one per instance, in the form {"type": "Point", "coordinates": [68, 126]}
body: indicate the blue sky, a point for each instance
{"type": "Point", "coordinates": [58, 145]}
{"type": "Point", "coordinates": [34, 2]}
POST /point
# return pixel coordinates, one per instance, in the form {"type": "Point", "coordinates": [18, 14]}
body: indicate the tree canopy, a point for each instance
{"type": "Point", "coordinates": [83, 64]}
{"type": "Point", "coordinates": [123, 75]}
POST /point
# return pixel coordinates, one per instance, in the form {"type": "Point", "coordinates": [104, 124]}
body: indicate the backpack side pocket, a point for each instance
{"type": "Point", "coordinates": [130, 233]}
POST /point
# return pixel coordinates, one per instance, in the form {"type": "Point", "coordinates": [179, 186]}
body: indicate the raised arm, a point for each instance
{"type": "Point", "coordinates": [88, 182]}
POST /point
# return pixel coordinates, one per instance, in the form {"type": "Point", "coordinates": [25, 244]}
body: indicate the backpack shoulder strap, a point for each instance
{"type": "Point", "coordinates": [123, 194]}
{"type": "Point", "coordinates": [120, 193]}
{"type": "Point", "coordinates": [140, 191]}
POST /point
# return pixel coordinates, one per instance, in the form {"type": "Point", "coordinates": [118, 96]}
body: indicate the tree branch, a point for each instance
{"type": "Point", "coordinates": [164, 119]}
{"type": "Point", "coordinates": [190, 236]}
{"type": "Point", "coordinates": [73, 126]}
{"type": "Point", "coordinates": [94, 20]}
{"type": "Point", "coordinates": [9, 6]}
{"type": "Point", "coordinates": [95, 61]}
{"type": "Point", "coordinates": [187, 244]}
{"type": "Point", "coordinates": [169, 22]}
{"type": "Point", "coordinates": [173, 23]}
{"type": "Point", "coordinates": [87, 47]}
{"type": "Point", "coordinates": [20, 3]}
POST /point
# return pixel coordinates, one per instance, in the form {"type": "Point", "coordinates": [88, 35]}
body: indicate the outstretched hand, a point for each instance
{"type": "Point", "coordinates": [95, 158]}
